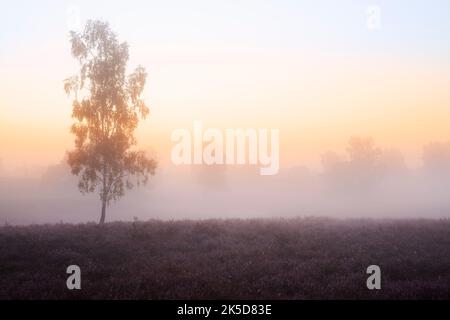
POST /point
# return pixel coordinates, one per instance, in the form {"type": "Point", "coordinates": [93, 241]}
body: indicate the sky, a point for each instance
{"type": "Point", "coordinates": [315, 70]}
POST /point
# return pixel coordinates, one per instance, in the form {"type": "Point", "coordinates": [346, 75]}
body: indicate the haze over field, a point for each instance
{"type": "Point", "coordinates": [317, 72]}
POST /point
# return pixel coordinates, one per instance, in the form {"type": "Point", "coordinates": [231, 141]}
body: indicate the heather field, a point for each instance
{"type": "Point", "coordinates": [304, 258]}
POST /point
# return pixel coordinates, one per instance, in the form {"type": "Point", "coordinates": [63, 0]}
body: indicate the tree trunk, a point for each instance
{"type": "Point", "coordinates": [102, 218]}
{"type": "Point", "coordinates": [104, 196]}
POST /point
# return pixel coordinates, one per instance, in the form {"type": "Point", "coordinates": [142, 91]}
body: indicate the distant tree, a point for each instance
{"type": "Point", "coordinates": [392, 162]}
{"type": "Point", "coordinates": [107, 107]}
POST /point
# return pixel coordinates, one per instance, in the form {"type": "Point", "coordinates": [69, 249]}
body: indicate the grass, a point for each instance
{"type": "Point", "coordinates": [305, 258]}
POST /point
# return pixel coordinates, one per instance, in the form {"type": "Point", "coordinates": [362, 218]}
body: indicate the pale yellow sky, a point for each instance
{"type": "Point", "coordinates": [317, 101]}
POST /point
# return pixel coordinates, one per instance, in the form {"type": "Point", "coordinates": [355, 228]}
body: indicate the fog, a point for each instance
{"type": "Point", "coordinates": [363, 181]}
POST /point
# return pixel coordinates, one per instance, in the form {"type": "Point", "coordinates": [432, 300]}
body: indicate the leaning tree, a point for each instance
{"type": "Point", "coordinates": [107, 106]}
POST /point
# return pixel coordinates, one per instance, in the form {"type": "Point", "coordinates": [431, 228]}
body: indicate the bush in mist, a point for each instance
{"type": "Point", "coordinates": [308, 258]}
